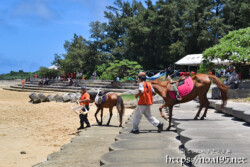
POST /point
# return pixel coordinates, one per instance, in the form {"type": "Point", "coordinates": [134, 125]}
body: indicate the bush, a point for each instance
{"type": "Point", "coordinates": [234, 47]}
{"type": "Point", "coordinates": [45, 72]}
{"type": "Point", "coordinates": [124, 69]}
{"type": "Point", "coordinates": [16, 75]}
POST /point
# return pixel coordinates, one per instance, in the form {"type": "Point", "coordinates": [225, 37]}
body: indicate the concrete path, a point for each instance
{"type": "Point", "coordinates": [149, 148]}
{"type": "Point", "coordinates": [86, 149]}
{"type": "Point", "coordinates": [219, 140]}
{"type": "Point", "coordinates": [238, 110]}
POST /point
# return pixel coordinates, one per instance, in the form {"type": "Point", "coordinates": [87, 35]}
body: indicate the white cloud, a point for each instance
{"type": "Point", "coordinates": [94, 8]}
{"type": "Point", "coordinates": [30, 9]}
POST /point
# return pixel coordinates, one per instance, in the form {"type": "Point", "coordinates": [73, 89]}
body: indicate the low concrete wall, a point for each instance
{"type": "Point", "coordinates": [238, 93]}
{"type": "Point", "coordinates": [244, 85]}
{"type": "Point", "coordinates": [4, 83]}
{"type": "Point", "coordinates": [232, 93]}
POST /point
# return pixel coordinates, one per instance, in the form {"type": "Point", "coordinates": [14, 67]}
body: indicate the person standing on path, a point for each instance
{"type": "Point", "coordinates": [145, 94]}
{"type": "Point", "coordinates": [84, 100]}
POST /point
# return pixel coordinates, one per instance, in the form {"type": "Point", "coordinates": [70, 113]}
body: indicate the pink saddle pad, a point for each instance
{"type": "Point", "coordinates": [183, 89]}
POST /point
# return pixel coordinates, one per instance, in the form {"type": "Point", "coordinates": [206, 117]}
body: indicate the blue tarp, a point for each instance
{"type": "Point", "coordinates": [156, 76]}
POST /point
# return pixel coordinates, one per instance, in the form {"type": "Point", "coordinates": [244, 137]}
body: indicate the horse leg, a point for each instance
{"type": "Point", "coordinates": [101, 116]}
{"type": "Point", "coordinates": [198, 113]}
{"type": "Point", "coordinates": [170, 117]}
{"type": "Point", "coordinates": [200, 108]}
{"type": "Point", "coordinates": [110, 115]}
{"type": "Point", "coordinates": [97, 111]}
{"type": "Point", "coordinates": [162, 114]}
{"type": "Point", "coordinates": [206, 105]}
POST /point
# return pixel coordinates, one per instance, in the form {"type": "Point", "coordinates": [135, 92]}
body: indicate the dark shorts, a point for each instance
{"type": "Point", "coordinates": [84, 118]}
{"type": "Point", "coordinates": [87, 107]}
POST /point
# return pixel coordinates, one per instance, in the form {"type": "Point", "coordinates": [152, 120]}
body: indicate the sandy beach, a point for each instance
{"type": "Point", "coordinates": [30, 132]}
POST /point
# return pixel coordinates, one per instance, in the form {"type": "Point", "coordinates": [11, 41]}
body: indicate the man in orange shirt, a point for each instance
{"type": "Point", "coordinates": [84, 100]}
{"type": "Point", "coordinates": [145, 94]}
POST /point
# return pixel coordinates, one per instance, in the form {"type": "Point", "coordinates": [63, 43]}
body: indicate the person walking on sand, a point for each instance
{"type": "Point", "coordinates": [84, 100]}
{"type": "Point", "coordinates": [145, 94]}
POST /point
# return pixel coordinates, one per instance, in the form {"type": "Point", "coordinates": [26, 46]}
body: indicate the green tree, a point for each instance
{"type": "Point", "coordinates": [100, 69]}
{"type": "Point", "coordinates": [234, 47]}
{"type": "Point", "coordinates": [236, 14]}
{"type": "Point", "coordinates": [57, 60]}
{"type": "Point", "coordinates": [45, 72]}
{"type": "Point", "coordinates": [82, 56]}
{"type": "Point", "coordinates": [155, 36]}
{"type": "Point", "coordinates": [16, 75]}
{"type": "Point", "coordinates": [204, 24]}
{"type": "Point", "coordinates": [116, 29]}
{"type": "Point", "coordinates": [121, 68]}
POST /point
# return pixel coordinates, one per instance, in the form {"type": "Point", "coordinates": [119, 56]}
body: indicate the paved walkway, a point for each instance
{"type": "Point", "coordinates": [86, 149]}
{"type": "Point", "coordinates": [219, 140]}
{"type": "Point", "coordinates": [149, 148]}
{"type": "Point", "coordinates": [238, 110]}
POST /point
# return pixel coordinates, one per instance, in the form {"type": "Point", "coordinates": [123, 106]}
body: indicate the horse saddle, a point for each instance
{"type": "Point", "coordinates": [180, 88]}
{"type": "Point", "coordinates": [171, 86]}
{"type": "Point", "coordinates": [104, 97]}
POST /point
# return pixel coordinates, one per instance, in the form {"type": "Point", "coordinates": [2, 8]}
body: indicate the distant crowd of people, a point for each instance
{"type": "Point", "coordinates": [232, 78]}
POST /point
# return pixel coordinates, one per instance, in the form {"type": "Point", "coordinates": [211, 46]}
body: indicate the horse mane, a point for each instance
{"type": "Point", "coordinates": [160, 83]}
{"type": "Point", "coordinates": [92, 95]}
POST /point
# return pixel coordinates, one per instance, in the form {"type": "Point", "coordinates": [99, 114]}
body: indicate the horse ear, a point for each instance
{"type": "Point", "coordinates": [98, 90]}
{"type": "Point", "coordinates": [169, 78]}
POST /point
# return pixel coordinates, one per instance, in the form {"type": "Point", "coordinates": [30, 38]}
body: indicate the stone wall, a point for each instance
{"type": "Point", "coordinates": [4, 83]}
{"type": "Point", "coordinates": [232, 93]}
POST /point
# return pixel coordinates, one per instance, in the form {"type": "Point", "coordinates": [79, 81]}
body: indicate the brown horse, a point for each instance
{"type": "Point", "coordinates": [111, 100]}
{"type": "Point", "coordinates": [201, 83]}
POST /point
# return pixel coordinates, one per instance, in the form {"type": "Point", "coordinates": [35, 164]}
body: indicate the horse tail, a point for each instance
{"type": "Point", "coordinates": [223, 89]}
{"type": "Point", "coordinates": [120, 107]}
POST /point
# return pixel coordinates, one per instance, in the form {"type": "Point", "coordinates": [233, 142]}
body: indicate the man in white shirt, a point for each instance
{"type": "Point", "coordinates": [145, 94]}
{"type": "Point", "coordinates": [233, 79]}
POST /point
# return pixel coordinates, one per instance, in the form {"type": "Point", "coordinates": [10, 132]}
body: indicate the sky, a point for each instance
{"type": "Point", "coordinates": [32, 31]}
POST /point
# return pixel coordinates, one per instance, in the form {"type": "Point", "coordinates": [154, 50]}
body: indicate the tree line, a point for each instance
{"type": "Point", "coordinates": [154, 36]}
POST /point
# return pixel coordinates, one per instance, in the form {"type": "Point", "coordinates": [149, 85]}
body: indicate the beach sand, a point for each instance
{"type": "Point", "coordinates": [36, 130]}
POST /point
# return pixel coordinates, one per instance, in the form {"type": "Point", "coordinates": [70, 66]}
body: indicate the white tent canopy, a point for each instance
{"type": "Point", "coordinates": [196, 60]}
{"type": "Point", "coordinates": [53, 67]}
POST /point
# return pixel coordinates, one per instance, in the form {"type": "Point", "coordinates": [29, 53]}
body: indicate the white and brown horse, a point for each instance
{"type": "Point", "coordinates": [107, 100]}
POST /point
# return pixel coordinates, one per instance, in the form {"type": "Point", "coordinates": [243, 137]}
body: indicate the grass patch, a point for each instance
{"type": "Point", "coordinates": [128, 97]}
{"type": "Point", "coordinates": [241, 99]}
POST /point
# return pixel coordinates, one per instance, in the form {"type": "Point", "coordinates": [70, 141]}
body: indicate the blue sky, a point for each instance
{"type": "Point", "coordinates": [32, 31]}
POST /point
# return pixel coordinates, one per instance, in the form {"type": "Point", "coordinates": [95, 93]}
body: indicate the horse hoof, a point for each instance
{"type": "Point", "coordinates": [107, 124]}
{"type": "Point", "coordinates": [168, 129]}
{"type": "Point", "coordinates": [100, 124]}
{"type": "Point", "coordinates": [202, 118]}
{"type": "Point", "coordinates": [195, 118]}
{"type": "Point", "coordinates": [120, 125]}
